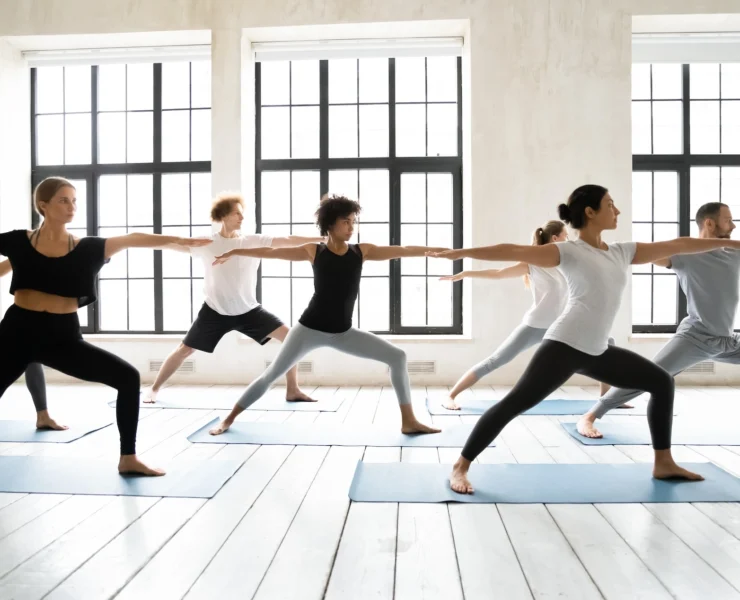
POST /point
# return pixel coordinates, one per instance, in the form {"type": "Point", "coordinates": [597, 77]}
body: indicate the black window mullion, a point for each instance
{"type": "Point", "coordinates": [157, 197]}
{"type": "Point", "coordinates": [394, 210]}
{"type": "Point", "coordinates": [323, 127]}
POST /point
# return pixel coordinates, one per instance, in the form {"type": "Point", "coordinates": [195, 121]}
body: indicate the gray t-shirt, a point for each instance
{"type": "Point", "coordinates": [710, 282]}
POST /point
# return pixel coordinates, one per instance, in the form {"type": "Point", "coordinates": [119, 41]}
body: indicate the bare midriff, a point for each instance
{"type": "Point", "coordinates": [43, 302]}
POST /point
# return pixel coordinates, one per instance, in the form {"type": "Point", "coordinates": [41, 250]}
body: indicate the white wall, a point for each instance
{"type": "Point", "coordinates": [548, 105]}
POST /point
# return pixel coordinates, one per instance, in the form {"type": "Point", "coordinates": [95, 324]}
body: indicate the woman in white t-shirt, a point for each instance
{"type": "Point", "coordinates": [549, 293]}
{"type": "Point", "coordinates": [596, 274]}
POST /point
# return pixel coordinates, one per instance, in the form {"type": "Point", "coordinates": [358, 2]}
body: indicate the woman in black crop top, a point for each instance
{"type": "Point", "coordinates": [337, 267]}
{"type": "Point", "coordinates": [54, 274]}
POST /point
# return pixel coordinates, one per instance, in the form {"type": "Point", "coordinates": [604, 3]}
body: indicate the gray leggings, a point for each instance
{"type": "Point", "coordinates": [683, 351]}
{"type": "Point", "coordinates": [301, 340]}
{"type": "Point", "coordinates": [519, 340]}
{"type": "Point", "coordinates": [36, 384]}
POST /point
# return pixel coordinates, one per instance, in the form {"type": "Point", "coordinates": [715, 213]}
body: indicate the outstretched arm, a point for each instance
{"type": "Point", "coordinates": [546, 256]}
{"type": "Point", "coordinates": [517, 270]}
{"type": "Point", "coordinates": [5, 268]}
{"type": "Point", "coordinates": [149, 240]}
{"type": "Point", "coordinates": [290, 241]}
{"type": "Point", "coordinates": [373, 252]}
{"type": "Point", "coordinates": [659, 251]}
{"type": "Point", "coordinates": [296, 253]}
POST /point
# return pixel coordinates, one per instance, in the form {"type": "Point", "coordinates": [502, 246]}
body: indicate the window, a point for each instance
{"type": "Point", "coordinates": [686, 152]}
{"type": "Point", "coordinates": [135, 141]}
{"type": "Point", "coordinates": [387, 133]}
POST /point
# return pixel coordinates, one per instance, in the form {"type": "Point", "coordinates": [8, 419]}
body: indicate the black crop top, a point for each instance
{"type": "Point", "coordinates": [336, 283]}
{"type": "Point", "coordinates": [71, 276]}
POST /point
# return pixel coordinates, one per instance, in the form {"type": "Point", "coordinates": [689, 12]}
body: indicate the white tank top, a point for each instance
{"type": "Point", "coordinates": [550, 294]}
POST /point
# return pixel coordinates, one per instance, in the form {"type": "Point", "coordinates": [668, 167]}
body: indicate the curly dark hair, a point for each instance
{"type": "Point", "coordinates": [334, 207]}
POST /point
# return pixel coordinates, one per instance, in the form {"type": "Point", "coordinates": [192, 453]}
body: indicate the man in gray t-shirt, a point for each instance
{"type": "Point", "coordinates": [710, 282]}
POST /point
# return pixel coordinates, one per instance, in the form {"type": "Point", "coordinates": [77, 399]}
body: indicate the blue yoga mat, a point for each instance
{"type": "Point", "coordinates": [202, 401]}
{"type": "Point", "coordinates": [638, 434]}
{"type": "Point", "coordinates": [47, 475]}
{"type": "Point", "coordinates": [314, 434]}
{"type": "Point", "coordinates": [25, 431]}
{"type": "Point", "coordinates": [546, 407]}
{"type": "Point", "coordinates": [537, 484]}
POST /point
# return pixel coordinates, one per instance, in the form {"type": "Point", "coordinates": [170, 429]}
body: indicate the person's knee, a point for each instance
{"type": "Point", "coordinates": [397, 358]}
{"type": "Point", "coordinates": [663, 383]}
{"type": "Point", "coordinates": [128, 378]}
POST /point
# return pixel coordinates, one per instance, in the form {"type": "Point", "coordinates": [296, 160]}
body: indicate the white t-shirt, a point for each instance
{"type": "Point", "coordinates": [230, 288]}
{"type": "Point", "coordinates": [596, 280]}
{"type": "Point", "coordinates": [550, 294]}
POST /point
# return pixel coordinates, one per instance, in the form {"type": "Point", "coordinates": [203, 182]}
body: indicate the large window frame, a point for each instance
{"type": "Point", "coordinates": [396, 166]}
{"type": "Point", "coordinates": [680, 163]}
{"type": "Point", "coordinates": [91, 174]}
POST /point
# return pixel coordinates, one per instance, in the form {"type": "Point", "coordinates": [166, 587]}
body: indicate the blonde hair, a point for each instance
{"type": "Point", "coordinates": [224, 203]}
{"type": "Point", "coordinates": [543, 235]}
{"type": "Point", "coordinates": [46, 190]}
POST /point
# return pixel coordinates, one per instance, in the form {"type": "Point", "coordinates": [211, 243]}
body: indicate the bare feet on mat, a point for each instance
{"type": "Point", "coordinates": [221, 428]}
{"type": "Point", "coordinates": [297, 396]}
{"type": "Point", "coordinates": [666, 468]}
{"type": "Point", "coordinates": [627, 405]}
{"type": "Point", "coordinates": [130, 464]}
{"type": "Point", "coordinates": [44, 421]}
{"type": "Point", "coordinates": [585, 427]}
{"type": "Point", "coordinates": [150, 396]}
{"type": "Point", "coordinates": [459, 481]}
{"type": "Point", "coordinates": [450, 404]}
{"type": "Point", "coordinates": [416, 427]}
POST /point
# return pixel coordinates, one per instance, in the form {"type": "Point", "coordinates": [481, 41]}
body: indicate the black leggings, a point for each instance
{"type": "Point", "coordinates": [553, 364]}
{"type": "Point", "coordinates": [36, 384]}
{"type": "Point", "coordinates": [55, 341]}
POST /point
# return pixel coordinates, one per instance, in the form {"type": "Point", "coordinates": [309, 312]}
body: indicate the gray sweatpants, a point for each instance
{"type": "Point", "coordinates": [683, 351]}
{"type": "Point", "coordinates": [301, 340]}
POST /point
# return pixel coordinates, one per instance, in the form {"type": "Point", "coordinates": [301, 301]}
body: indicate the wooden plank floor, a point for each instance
{"type": "Point", "coordinates": [284, 528]}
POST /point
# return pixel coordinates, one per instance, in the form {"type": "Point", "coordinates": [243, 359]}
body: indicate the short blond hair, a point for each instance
{"type": "Point", "coordinates": [223, 204]}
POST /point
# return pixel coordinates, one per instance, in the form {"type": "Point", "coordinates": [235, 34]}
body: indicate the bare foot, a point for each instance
{"type": "Point", "coordinates": [665, 470]}
{"type": "Point", "coordinates": [416, 427]}
{"type": "Point", "coordinates": [585, 427]}
{"type": "Point", "coordinates": [129, 463]}
{"type": "Point", "coordinates": [459, 481]}
{"type": "Point", "coordinates": [450, 404]}
{"type": "Point", "coordinates": [298, 396]}
{"type": "Point", "coordinates": [222, 427]}
{"type": "Point", "coordinates": [627, 405]}
{"type": "Point", "coordinates": [150, 396]}
{"type": "Point", "coordinates": [44, 421]}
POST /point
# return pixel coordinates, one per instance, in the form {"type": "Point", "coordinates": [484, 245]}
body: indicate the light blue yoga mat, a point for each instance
{"type": "Point", "coordinates": [202, 401]}
{"type": "Point", "coordinates": [638, 434]}
{"type": "Point", "coordinates": [546, 407]}
{"type": "Point", "coordinates": [539, 483]}
{"type": "Point", "coordinates": [25, 431]}
{"type": "Point", "coordinates": [315, 434]}
{"type": "Point", "coordinates": [47, 475]}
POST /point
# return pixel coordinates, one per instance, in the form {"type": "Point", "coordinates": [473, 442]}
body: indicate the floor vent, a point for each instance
{"type": "Point", "coordinates": [303, 366]}
{"type": "Point", "coordinates": [426, 367]}
{"type": "Point", "coordinates": [706, 366]}
{"type": "Point", "coordinates": [186, 367]}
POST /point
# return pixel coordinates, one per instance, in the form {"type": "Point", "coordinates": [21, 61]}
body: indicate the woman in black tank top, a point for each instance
{"type": "Point", "coordinates": [327, 321]}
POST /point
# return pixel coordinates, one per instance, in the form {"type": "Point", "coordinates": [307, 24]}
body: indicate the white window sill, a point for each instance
{"type": "Point", "coordinates": [178, 337]}
{"type": "Point", "coordinates": [650, 337]}
{"type": "Point", "coordinates": [406, 338]}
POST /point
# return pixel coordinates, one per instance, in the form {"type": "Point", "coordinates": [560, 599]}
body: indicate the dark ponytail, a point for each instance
{"type": "Point", "coordinates": [543, 235]}
{"type": "Point", "coordinates": [586, 196]}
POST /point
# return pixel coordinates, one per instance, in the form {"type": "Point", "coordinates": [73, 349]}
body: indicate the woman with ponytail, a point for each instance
{"type": "Point", "coordinates": [596, 274]}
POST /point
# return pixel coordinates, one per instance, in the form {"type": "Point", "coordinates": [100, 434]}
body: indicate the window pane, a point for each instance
{"type": "Point", "coordinates": [731, 81]}
{"type": "Point", "coordinates": [665, 300]}
{"type": "Point", "coordinates": [641, 299]}
{"type": "Point", "coordinates": [200, 200]}
{"type": "Point", "coordinates": [77, 141]}
{"type": "Point", "coordinates": [50, 140]}
{"type": "Point", "coordinates": [442, 129]}
{"type": "Point", "coordinates": [176, 136]}
{"type": "Point", "coordinates": [342, 131]}
{"type": "Point", "coordinates": [176, 85]}
{"type": "Point", "coordinates": [198, 296]}
{"type": "Point", "coordinates": [77, 81]}
{"type": "Point", "coordinates": [374, 130]}
{"type": "Point", "coordinates": [140, 87]}
{"type": "Point", "coordinates": [641, 134]}
{"type": "Point", "coordinates": [304, 76]}
{"type": "Point", "coordinates": [441, 79]}
{"type": "Point", "coordinates": [176, 264]}
{"type": "Point", "coordinates": [177, 314]}
{"type": "Point", "coordinates": [374, 190]}
{"type": "Point", "coordinates": [343, 81]}
{"type": "Point", "coordinates": [50, 90]}
{"type": "Point", "coordinates": [410, 80]}
{"type": "Point", "coordinates": [667, 128]}
{"type": "Point", "coordinates": [275, 82]}
{"type": "Point", "coordinates": [413, 197]}
{"type": "Point", "coordinates": [731, 127]}
{"type": "Point", "coordinates": [413, 301]}
{"type": "Point", "coordinates": [704, 186]}
{"type": "Point", "coordinates": [140, 141]}
{"type": "Point", "coordinates": [113, 305]}
{"type": "Point", "coordinates": [275, 197]}
{"type": "Point", "coordinates": [82, 316]}
{"type": "Point", "coordinates": [705, 127]}
{"type": "Point", "coordinates": [413, 235]}
{"type": "Point", "coordinates": [275, 268]}
{"type": "Point", "coordinates": [305, 132]}
{"type": "Point", "coordinates": [374, 303]}
{"type": "Point", "coordinates": [373, 80]}
{"type": "Point", "coordinates": [176, 199]}
{"type": "Point", "coordinates": [439, 236]}
{"type": "Point", "coordinates": [112, 200]}
{"type": "Point", "coordinates": [368, 233]}
{"type": "Point", "coordinates": [275, 132]}
{"type": "Point", "coordinates": [201, 135]}
{"type": "Point", "coordinates": [112, 87]}
{"type": "Point", "coordinates": [343, 182]}
{"type": "Point", "coordinates": [140, 201]}
{"type": "Point", "coordinates": [141, 305]}
{"type": "Point", "coordinates": [666, 196]}
{"type": "Point", "coordinates": [276, 297]}
{"type": "Point", "coordinates": [141, 261]}
{"type": "Point", "coordinates": [302, 292]}
{"type": "Point", "coordinates": [200, 86]}
{"type": "Point", "coordinates": [440, 302]}
{"type": "Point", "coordinates": [667, 82]}
{"type": "Point", "coordinates": [117, 268]}
{"type": "Point", "coordinates": [641, 81]}
{"type": "Point", "coordinates": [703, 81]}
{"type": "Point", "coordinates": [665, 231]}
{"type": "Point", "coordinates": [411, 130]}
{"type": "Point", "coordinates": [730, 189]}
{"type": "Point", "coordinates": [642, 196]}
{"type": "Point", "coordinates": [439, 198]}
{"type": "Point", "coordinates": [112, 137]}
{"type": "Point", "coordinates": [81, 214]}
{"type": "Point", "coordinates": [306, 195]}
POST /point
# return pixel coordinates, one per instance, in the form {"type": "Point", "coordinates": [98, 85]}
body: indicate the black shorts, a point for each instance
{"type": "Point", "coordinates": [208, 329]}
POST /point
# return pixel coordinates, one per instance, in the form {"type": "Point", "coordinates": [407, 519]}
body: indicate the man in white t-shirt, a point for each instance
{"type": "Point", "coordinates": [229, 290]}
